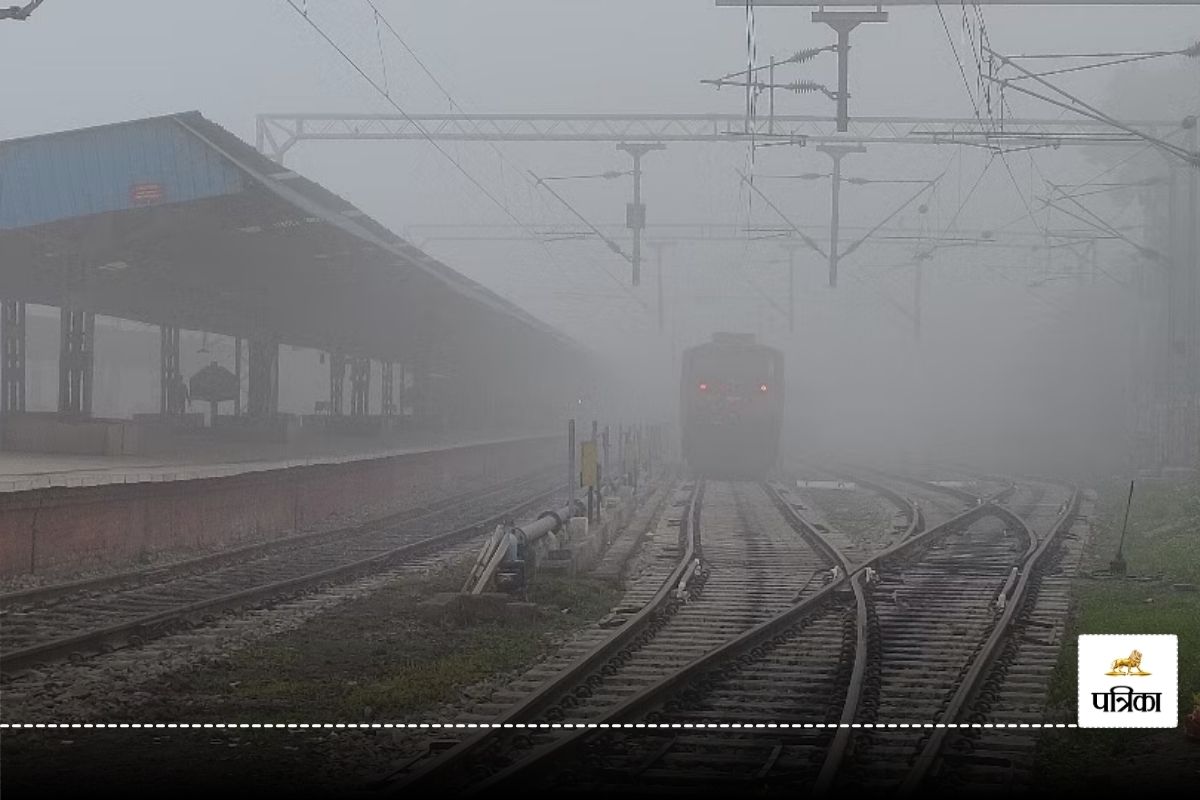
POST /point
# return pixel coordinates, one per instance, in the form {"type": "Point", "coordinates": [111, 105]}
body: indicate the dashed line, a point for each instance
{"type": "Point", "coordinates": [479, 725]}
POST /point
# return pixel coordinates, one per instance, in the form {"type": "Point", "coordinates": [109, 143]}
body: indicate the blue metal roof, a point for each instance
{"type": "Point", "coordinates": [110, 168]}
{"type": "Point", "coordinates": [183, 159]}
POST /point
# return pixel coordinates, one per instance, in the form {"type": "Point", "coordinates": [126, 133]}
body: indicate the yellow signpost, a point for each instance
{"type": "Point", "coordinates": [589, 465]}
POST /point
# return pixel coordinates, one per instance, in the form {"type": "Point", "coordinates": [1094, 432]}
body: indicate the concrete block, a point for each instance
{"type": "Point", "coordinates": [577, 528]}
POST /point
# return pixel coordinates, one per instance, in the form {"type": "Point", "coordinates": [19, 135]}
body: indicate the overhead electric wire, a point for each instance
{"type": "Point", "coordinates": [1082, 67]}
{"type": "Point", "coordinates": [1106, 188]}
{"type": "Point", "coordinates": [963, 203]}
{"type": "Point", "coordinates": [1114, 59]}
{"type": "Point", "coordinates": [1099, 221]}
{"type": "Point", "coordinates": [1134, 53]}
{"type": "Point", "coordinates": [1104, 227]}
{"type": "Point", "coordinates": [999, 149]}
{"type": "Point", "coordinates": [961, 69]}
{"type": "Point", "coordinates": [616, 248]}
{"type": "Point", "coordinates": [889, 217]}
{"type": "Point", "coordinates": [610, 175]}
{"type": "Point", "coordinates": [612, 245]}
{"type": "Point", "coordinates": [772, 302]}
{"type": "Point", "coordinates": [1111, 168]}
{"type": "Point", "coordinates": [379, 16]}
{"type": "Point", "coordinates": [458, 166]}
{"type": "Point", "coordinates": [420, 128]}
{"type": "Point", "coordinates": [432, 77]}
{"type": "Point", "coordinates": [20, 13]}
{"type": "Point", "coordinates": [799, 57]}
{"type": "Point", "coordinates": [456, 105]}
{"type": "Point", "coordinates": [812, 176]}
{"type": "Point", "coordinates": [1078, 106]}
{"type": "Point", "coordinates": [808, 240]}
{"type": "Point", "coordinates": [1085, 110]}
{"type": "Point", "coordinates": [382, 58]}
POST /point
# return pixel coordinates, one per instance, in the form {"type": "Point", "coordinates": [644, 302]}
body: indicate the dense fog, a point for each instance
{"type": "Point", "coordinates": [1040, 326]}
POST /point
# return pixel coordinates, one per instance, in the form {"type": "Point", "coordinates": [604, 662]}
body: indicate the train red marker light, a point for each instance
{"type": "Point", "coordinates": [704, 387]}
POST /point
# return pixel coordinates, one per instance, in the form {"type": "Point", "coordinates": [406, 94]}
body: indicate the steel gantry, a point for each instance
{"type": "Point", "coordinates": [886, 3]}
{"type": "Point", "coordinates": [276, 134]}
{"type": "Point", "coordinates": [638, 134]}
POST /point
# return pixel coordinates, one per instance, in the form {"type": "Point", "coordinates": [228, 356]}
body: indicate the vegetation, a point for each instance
{"type": "Point", "coordinates": [370, 660]}
{"type": "Point", "coordinates": [1162, 549]}
{"type": "Point", "coordinates": [378, 659]}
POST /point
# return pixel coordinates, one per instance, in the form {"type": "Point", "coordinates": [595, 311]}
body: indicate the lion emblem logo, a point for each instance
{"type": "Point", "coordinates": [1127, 666]}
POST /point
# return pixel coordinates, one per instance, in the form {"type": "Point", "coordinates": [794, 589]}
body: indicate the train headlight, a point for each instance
{"type": "Point", "coordinates": [763, 388]}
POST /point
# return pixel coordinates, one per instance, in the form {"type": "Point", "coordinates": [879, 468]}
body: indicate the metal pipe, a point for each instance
{"type": "Point", "coordinates": [551, 521]}
{"type": "Point", "coordinates": [546, 523]}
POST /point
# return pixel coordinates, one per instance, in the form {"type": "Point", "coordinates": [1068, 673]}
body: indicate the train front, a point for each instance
{"type": "Point", "coordinates": [732, 410]}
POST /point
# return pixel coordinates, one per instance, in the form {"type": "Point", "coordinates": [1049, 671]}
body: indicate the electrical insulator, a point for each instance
{"type": "Point", "coordinates": [807, 86]}
{"type": "Point", "coordinates": [806, 55]}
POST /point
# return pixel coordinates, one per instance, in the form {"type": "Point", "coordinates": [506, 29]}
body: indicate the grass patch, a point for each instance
{"type": "Point", "coordinates": [1162, 543]}
{"type": "Point", "coordinates": [377, 659]}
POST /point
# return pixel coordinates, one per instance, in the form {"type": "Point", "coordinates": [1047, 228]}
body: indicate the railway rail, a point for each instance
{"type": "Point", "coordinates": [46, 624]}
{"type": "Point", "coordinates": [750, 615]}
{"type": "Point", "coordinates": [912, 641]}
{"type": "Point", "coordinates": [1012, 689]}
{"type": "Point", "coordinates": [745, 571]}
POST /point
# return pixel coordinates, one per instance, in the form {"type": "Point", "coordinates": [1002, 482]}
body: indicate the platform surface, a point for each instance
{"type": "Point", "coordinates": [210, 459]}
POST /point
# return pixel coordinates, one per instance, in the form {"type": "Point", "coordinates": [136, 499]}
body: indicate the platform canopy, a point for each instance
{"type": "Point", "coordinates": [175, 221]}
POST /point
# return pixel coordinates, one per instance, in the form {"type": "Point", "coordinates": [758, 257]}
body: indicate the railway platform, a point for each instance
{"type": "Point", "coordinates": [26, 471]}
{"type": "Point", "coordinates": [66, 514]}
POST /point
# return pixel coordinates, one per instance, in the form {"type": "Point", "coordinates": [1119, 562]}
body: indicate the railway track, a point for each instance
{"type": "Point", "coordinates": [76, 620]}
{"type": "Point", "coordinates": [932, 650]}
{"type": "Point", "coordinates": [913, 646]}
{"type": "Point", "coordinates": [1014, 686]}
{"type": "Point", "coordinates": [731, 623]}
{"type": "Point", "coordinates": [749, 566]}
{"type": "Point", "coordinates": [795, 674]}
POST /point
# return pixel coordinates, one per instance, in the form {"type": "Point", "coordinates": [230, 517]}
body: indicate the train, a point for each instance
{"type": "Point", "coordinates": [731, 407]}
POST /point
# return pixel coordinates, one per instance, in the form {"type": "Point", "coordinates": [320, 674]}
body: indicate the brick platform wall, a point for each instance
{"type": "Point", "coordinates": [79, 527]}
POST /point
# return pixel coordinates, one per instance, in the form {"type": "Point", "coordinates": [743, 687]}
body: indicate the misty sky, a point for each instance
{"type": "Point", "coordinates": [84, 62]}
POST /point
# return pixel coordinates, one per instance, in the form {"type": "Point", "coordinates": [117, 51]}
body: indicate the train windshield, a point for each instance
{"type": "Point", "coordinates": [742, 371]}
